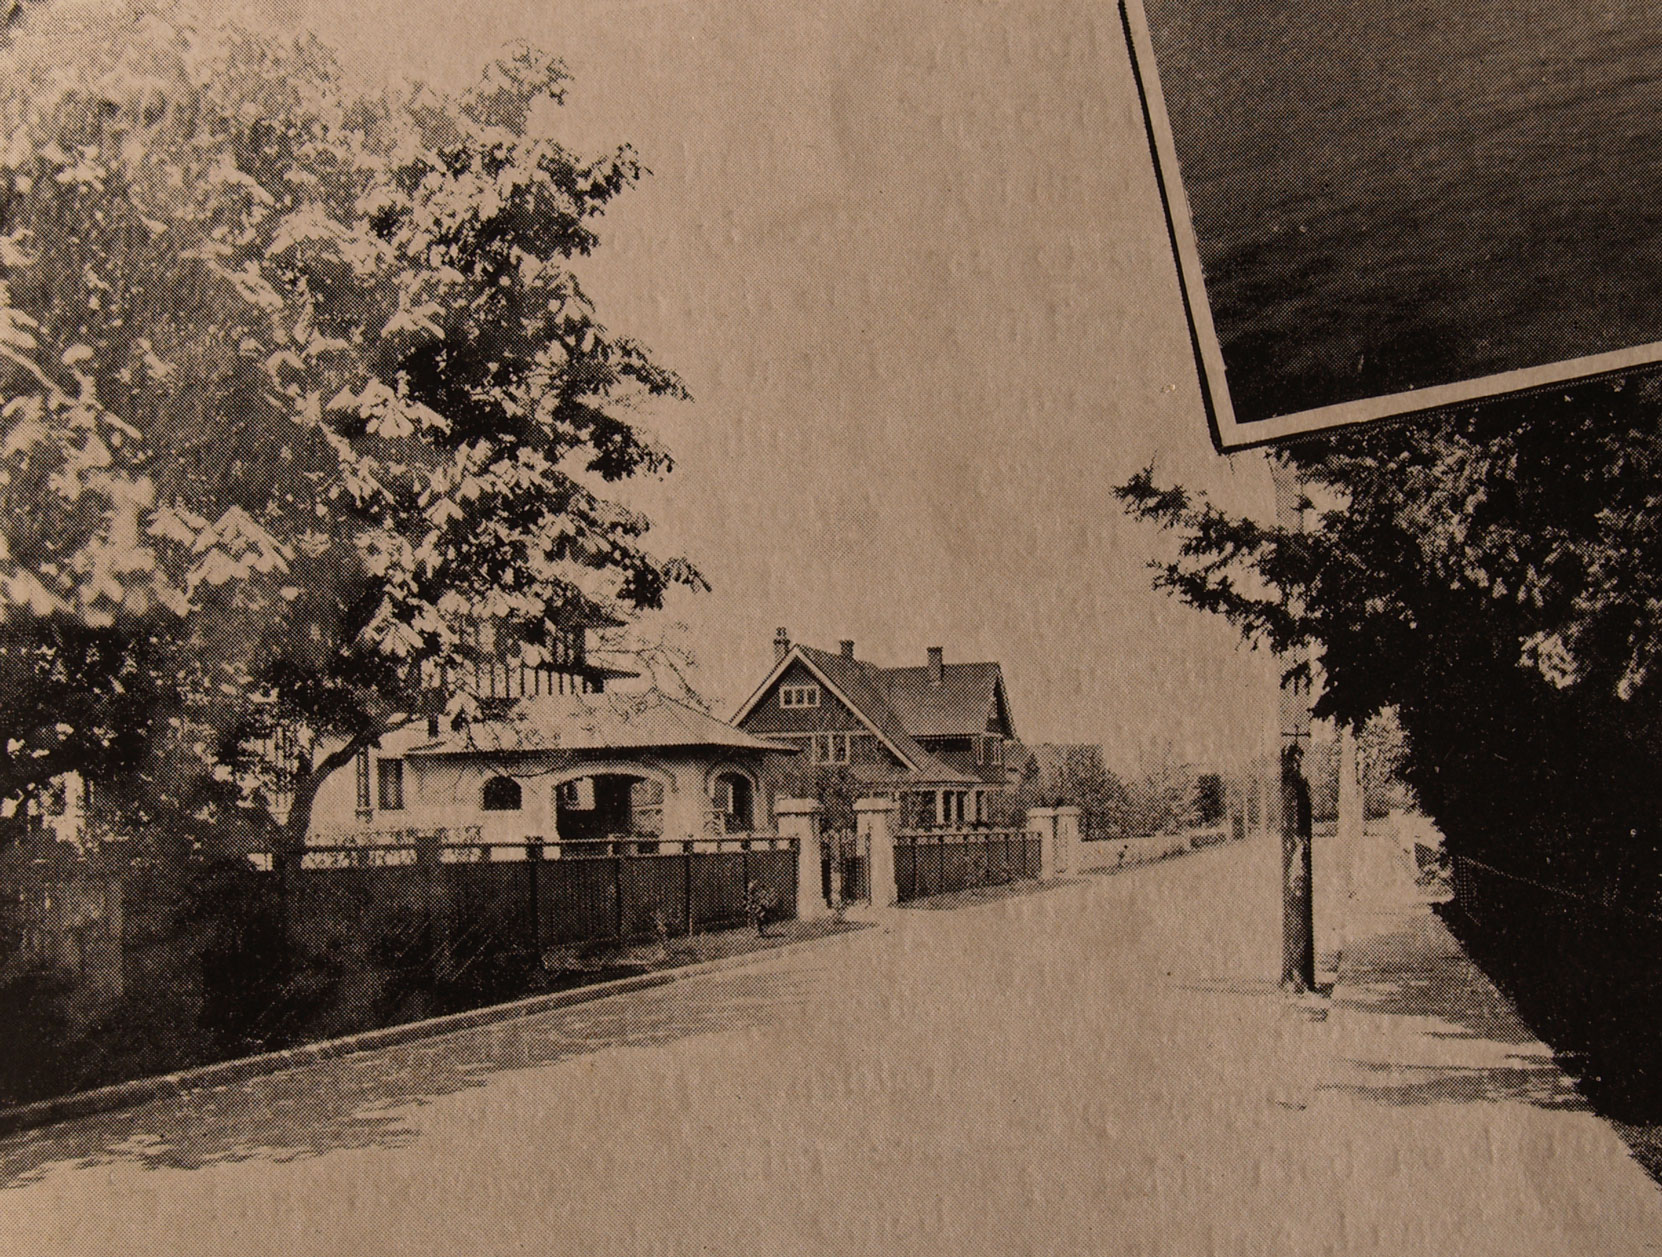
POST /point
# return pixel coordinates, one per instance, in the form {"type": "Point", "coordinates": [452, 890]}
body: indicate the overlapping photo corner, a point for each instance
{"type": "Point", "coordinates": [1382, 210]}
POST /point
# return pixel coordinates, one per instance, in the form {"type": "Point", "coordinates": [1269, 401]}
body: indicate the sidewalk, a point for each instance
{"type": "Point", "coordinates": [1460, 1133]}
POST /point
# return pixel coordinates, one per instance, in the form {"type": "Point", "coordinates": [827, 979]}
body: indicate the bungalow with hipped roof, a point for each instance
{"type": "Point", "coordinates": [558, 767]}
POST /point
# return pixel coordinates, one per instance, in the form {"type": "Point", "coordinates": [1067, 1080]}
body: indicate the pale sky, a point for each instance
{"type": "Point", "coordinates": [909, 260]}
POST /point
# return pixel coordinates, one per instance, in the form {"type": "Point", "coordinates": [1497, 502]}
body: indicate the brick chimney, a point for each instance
{"type": "Point", "coordinates": [848, 649]}
{"type": "Point", "coordinates": [936, 665]}
{"type": "Point", "coordinates": [781, 644]}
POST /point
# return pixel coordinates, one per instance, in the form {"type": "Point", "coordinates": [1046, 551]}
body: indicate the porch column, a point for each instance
{"type": "Point", "coordinates": [1041, 823]}
{"type": "Point", "coordinates": [799, 819]}
{"type": "Point", "coordinates": [685, 803]}
{"type": "Point", "coordinates": [874, 819]}
{"type": "Point", "coordinates": [1067, 838]}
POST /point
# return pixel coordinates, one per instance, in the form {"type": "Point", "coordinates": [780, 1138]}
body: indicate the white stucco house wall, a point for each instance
{"type": "Point", "coordinates": [558, 768]}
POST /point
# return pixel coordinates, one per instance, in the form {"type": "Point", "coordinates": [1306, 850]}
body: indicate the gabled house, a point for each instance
{"type": "Point", "coordinates": [934, 736]}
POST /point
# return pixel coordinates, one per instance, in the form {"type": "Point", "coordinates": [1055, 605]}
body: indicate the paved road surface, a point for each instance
{"type": "Point", "coordinates": [1099, 1068]}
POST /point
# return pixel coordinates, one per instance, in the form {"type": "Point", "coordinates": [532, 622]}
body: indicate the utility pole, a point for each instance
{"type": "Point", "coordinates": [1298, 926]}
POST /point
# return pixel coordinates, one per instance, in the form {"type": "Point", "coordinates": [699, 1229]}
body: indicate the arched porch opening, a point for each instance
{"type": "Point", "coordinates": [608, 805]}
{"type": "Point", "coordinates": [733, 801]}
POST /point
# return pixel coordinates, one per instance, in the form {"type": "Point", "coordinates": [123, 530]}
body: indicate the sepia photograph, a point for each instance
{"type": "Point", "coordinates": [947, 627]}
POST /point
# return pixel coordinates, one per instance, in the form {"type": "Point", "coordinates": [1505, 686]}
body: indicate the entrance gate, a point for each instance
{"type": "Point", "coordinates": [844, 867]}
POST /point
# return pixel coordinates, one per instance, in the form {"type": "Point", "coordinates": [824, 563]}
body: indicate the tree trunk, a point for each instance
{"type": "Point", "coordinates": [290, 844]}
{"type": "Point", "coordinates": [292, 836]}
{"type": "Point", "coordinates": [1298, 929]}
{"type": "Point", "coordinates": [1298, 926]}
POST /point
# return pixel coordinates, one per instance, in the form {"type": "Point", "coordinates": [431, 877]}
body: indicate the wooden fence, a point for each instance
{"type": "Point", "coordinates": [941, 861]}
{"type": "Point", "coordinates": [410, 910]}
{"type": "Point", "coordinates": [1097, 852]}
{"type": "Point", "coordinates": [450, 893]}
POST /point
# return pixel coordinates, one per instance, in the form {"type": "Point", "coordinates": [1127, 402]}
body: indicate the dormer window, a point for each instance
{"type": "Point", "coordinates": [799, 696]}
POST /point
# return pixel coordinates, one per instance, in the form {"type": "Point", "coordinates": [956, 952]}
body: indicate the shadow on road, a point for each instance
{"type": "Point", "coordinates": [1415, 971]}
{"type": "Point", "coordinates": [978, 895]}
{"type": "Point", "coordinates": [1420, 996]}
{"type": "Point", "coordinates": [1527, 1081]}
{"type": "Point", "coordinates": [369, 1100]}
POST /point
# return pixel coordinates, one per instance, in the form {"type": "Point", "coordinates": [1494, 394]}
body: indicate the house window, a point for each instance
{"type": "Point", "coordinates": [831, 748]}
{"type": "Point", "coordinates": [501, 794]}
{"type": "Point", "coordinates": [361, 766]}
{"type": "Point", "coordinates": [923, 808]}
{"type": "Point", "coordinates": [799, 696]}
{"type": "Point", "coordinates": [390, 784]}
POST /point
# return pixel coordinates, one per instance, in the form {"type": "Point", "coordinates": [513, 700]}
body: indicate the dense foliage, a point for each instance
{"type": "Point", "coordinates": [301, 400]}
{"type": "Point", "coordinates": [1496, 578]}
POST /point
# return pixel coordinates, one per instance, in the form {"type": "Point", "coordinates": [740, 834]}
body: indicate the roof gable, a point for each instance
{"type": "Point", "coordinates": [858, 687]}
{"type": "Point", "coordinates": [826, 708]}
{"type": "Point", "coordinates": [969, 700]}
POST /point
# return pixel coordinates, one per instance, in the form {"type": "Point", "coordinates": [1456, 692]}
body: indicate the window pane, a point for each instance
{"type": "Point", "coordinates": [391, 782]}
{"type": "Point", "coordinates": [362, 769]}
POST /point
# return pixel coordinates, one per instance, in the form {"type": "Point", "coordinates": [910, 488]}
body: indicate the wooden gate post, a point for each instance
{"type": "Point", "coordinates": [533, 890]}
{"type": "Point", "coordinates": [799, 820]}
{"type": "Point", "coordinates": [429, 848]}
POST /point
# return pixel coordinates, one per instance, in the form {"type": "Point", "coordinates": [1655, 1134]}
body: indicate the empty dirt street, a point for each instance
{"type": "Point", "coordinates": [1101, 1067]}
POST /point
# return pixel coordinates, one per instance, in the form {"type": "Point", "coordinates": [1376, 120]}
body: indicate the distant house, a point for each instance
{"type": "Point", "coordinates": [934, 736]}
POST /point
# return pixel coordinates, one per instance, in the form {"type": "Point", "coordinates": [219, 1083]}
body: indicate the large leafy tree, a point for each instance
{"type": "Point", "coordinates": [1076, 775]}
{"type": "Point", "coordinates": [302, 403]}
{"type": "Point", "coordinates": [1495, 577]}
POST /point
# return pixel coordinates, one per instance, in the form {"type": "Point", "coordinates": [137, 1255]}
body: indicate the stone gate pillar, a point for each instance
{"type": "Point", "coordinates": [1041, 823]}
{"type": "Point", "coordinates": [874, 819]}
{"type": "Point", "coordinates": [799, 819]}
{"type": "Point", "coordinates": [1067, 839]}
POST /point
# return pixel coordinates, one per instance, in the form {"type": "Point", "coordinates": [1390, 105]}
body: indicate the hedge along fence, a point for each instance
{"type": "Point", "coordinates": [115, 968]}
{"type": "Point", "coordinates": [1584, 967]}
{"type": "Point", "coordinates": [231, 958]}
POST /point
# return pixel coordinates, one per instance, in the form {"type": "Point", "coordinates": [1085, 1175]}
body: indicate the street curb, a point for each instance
{"type": "Point", "coordinates": [127, 1095]}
